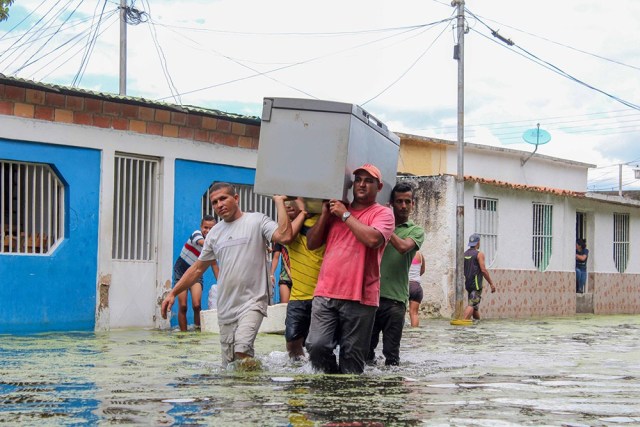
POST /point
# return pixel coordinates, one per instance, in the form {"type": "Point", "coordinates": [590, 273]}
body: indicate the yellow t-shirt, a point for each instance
{"type": "Point", "coordinates": [305, 264]}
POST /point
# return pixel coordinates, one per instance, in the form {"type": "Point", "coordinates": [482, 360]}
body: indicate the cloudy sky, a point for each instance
{"type": "Point", "coordinates": [573, 68]}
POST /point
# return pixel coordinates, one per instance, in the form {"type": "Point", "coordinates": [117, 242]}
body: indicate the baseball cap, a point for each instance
{"type": "Point", "coordinates": [372, 170]}
{"type": "Point", "coordinates": [474, 239]}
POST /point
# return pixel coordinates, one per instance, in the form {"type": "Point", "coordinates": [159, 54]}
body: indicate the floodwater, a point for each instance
{"type": "Point", "coordinates": [575, 371]}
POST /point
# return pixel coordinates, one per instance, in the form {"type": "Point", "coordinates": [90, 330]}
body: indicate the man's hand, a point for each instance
{"type": "Point", "coordinates": [280, 197]}
{"type": "Point", "coordinates": [337, 208]}
{"type": "Point", "coordinates": [166, 304]}
{"type": "Point", "coordinates": [493, 288]}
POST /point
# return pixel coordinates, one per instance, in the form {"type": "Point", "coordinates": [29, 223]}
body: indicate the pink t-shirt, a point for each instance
{"type": "Point", "coordinates": [350, 270]}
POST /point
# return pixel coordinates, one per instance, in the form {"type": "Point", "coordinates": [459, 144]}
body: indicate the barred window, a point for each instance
{"type": "Point", "coordinates": [135, 208]}
{"type": "Point", "coordinates": [249, 202]}
{"type": "Point", "coordinates": [542, 235]}
{"type": "Point", "coordinates": [32, 208]}
{"type": "Point", "coordinates": [621, 241]}
{"type": "Point", "coordinates": [486, 225]}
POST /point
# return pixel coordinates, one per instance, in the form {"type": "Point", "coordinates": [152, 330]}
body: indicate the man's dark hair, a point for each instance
{"type": "Point", "coordinates": [223, 185]}
{"type": "Point", "coordinates": [582, 243]}
{"type": "Point", "coordinates": [401, 187]}
{"type": "Point", "coordinates": [207, 218]}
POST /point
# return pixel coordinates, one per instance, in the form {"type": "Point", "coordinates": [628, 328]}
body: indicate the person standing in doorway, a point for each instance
{"type": "Point", "coordinates": [188, 255]}
{"type": "Point", "coordinates": [348, 290]}
{"type": "Point", "coordinates": [238, 245]}
{"type": "Point", "coordinates": [582, 254]}
{"type": "Point", "coordinates": [474, 271]}
{"type": "Point", "coordinates": [394, 277]}
{"type": "Point", "coordinates": [415, 288]}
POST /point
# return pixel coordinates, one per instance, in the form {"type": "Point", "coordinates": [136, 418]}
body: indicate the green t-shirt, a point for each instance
{"type": "Point", "coordinates": [394, 268]}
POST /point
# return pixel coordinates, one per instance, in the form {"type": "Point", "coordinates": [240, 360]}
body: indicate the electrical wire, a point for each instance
{"type": "Point", "coordinates": [90, 45]}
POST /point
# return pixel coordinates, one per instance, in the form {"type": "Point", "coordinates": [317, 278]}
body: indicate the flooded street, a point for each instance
{"type": "Point", "coordinates": [570, 371]}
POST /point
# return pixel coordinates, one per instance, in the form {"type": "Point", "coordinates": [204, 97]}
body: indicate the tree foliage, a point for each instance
{"type": "Point", "coordinates": [4, 9]}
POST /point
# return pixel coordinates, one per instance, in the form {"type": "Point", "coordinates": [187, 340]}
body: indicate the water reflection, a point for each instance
{"type": "Point", "coordinates": [575, 371]}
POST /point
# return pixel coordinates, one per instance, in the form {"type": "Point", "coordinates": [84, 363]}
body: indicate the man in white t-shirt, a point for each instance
{"type": "Point", "coordinates": [238, 244]}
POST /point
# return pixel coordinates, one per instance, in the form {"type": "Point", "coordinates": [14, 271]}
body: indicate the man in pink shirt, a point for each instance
{"type": "Point", "coordinates": [348, 290]}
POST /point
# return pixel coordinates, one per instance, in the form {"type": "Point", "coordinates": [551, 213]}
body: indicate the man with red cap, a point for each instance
{"type": "Point", "coordinates": [348, 289]}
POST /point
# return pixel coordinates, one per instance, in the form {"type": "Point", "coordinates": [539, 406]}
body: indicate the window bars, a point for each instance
{"type": "Point", "coordinates": [542, 235]}
{"type": "Point", "coordinates": [621, 241]}
{"type": "Point", "coordinates": [486, 225]}
{"type": "Point", "coordinates": [135, 208]}
{"type": "Point", "coordinates": [31, 208]}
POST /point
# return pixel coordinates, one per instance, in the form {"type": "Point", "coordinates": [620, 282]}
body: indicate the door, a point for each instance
{"type": "Point", "coordinates": [132, 296]}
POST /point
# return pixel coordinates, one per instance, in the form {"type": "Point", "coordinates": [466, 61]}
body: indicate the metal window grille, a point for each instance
{"type": "Point", "coordinates": [134, 208]}
{"type": "Point", "coordinates": [542, 235]}
{"type": "Point", "coordinates": [621, 241]}
{"type": "Point", "coordinates": [248, 200]}
{"type": "Point", "coordinates": [31, 208]}
{"type": "Point", "coordinates": [486, 225]}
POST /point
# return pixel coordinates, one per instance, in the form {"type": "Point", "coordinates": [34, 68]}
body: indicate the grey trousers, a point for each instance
{"type": "Point", "coordinates": [344, 323]}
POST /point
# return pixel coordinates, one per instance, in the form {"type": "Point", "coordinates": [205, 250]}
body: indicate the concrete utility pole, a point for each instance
{"type": "Point", "coordinates": [620, 180]}
{"type": "Point", "coordinates": [123, 47]}
{"type": "Point", "coordinates": [459, 272]}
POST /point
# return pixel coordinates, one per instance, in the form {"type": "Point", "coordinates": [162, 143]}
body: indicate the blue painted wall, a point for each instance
{"type": "Point", "coordinates": [192, 180]}
{"type": "Point", "coordinates": [56, 291]}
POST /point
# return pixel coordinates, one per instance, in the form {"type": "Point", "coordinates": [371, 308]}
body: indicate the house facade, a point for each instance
{"type": "Point", "coordinates": [529, 216]}
{"type": "Point", "coordinates": [99, 193]}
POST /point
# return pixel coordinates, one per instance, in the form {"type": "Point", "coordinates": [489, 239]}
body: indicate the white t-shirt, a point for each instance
{"type": "Point", "coordinates": [240, 250]}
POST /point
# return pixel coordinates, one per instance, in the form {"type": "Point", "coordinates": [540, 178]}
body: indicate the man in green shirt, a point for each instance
{"type": "Point", "coordinates": [394, 277]}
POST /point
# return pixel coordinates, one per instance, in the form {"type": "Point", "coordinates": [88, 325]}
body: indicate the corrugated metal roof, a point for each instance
{"type": "Point", "coordinates": [132, 100]}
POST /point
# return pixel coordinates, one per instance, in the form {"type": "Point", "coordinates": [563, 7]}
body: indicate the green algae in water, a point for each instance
{"type": "Point", "coordinates": [572, 371]}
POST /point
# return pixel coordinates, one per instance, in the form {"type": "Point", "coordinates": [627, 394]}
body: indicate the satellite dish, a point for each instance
{"type": "Point", "coordinates": [535, 137]}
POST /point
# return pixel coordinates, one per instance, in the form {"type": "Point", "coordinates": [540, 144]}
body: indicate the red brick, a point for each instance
{"type": "Point", "coordinates": [138, 126]}
{"type": "Point", "coordinates": [255, 143]}
{"type": "Point", "coordinates": [75, 103]}
{"type": "Point", "coordinates": [201, 135]}
{"type": "Point", "coordinates": [6, 108]}
{"type": "Point", "coordinates": [93, 105]}
{"type": "Point", "coordinates": [154, 128]}
{"type": "Point", "coordinates": [145, 113]}
{"type": "Point", "coordinates": [178, 119]}
{"type": "Point", "coordinates": [23, 110]}
{"type": "Point", "coordinates": [54, 100]}
{"type": "Point", "coordinates": [102, 121]}
{"type": "Point", "coordinates": [225, 139]}
{"type": "Point", "coordinates": [170, 131]}
{"type": "Point", "coordinates": [15, 93]}
{"type": "Point", "coordinates": [34, 96]}
{"type": "Point", "coordinates": [44, 113]}
{"type": "Point", "coordinates": [163, 116]}
{"type": "Point", "coordinates": [210, 123]}
{"type": "Point", "coordinates": [238, 128]}
{"type": "Point", "coordinates": [224, 126]}
{"type": "Point", "coordinates": [120, 123]}
{"type": "Point", "coordinates": [2, 90]}
{"type": "Point", "coordinates": [194, 121]}
{"type": "Point", "coordinates": [245, 142]}
{"type": "Point", "coordinates": [130, 111]}
{"type": "Point", "coordinates": [111, 108]}
{"type": "Point", "coordinates": [186, 133]}
{"type": "Point", "coordinates": [81, 118]}
{"type": "Point", "coordinates": [252, 131]}
{"type": "Point", "coordinates": [62, 115]}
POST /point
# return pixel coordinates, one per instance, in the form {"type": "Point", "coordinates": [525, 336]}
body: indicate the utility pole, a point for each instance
{"type": "Point", "coordinates": [123, 47]}
{"type": "Point", "coordinates": [620, 180]}
{"type": "Point", "coordinates": [459, 272]}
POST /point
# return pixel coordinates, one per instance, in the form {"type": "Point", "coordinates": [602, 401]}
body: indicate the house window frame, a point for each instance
{"type": "Point", "coordinates": [485, 211]}
{"type": "Point", "coordinates": [542, 235]}
{"type": "Point", "coordinates": [32, 208]}
{"type": "Point", "coordinates": [621, 241]}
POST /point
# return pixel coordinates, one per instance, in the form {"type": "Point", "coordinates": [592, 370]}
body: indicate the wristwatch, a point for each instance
{"type": "Point", "coordinates": [346, 216]}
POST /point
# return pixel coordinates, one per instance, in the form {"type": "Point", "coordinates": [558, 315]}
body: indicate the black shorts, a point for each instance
{"type": "Point", "coordinates": [415, 292]}
{"type": "Point", "coordinates": [181, 267]}
{"type": "Point", "coordinates": [298, 319]}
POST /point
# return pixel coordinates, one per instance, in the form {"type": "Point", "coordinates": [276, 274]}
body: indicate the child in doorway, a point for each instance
{"type": "Point", "coordinates": [190, 252]}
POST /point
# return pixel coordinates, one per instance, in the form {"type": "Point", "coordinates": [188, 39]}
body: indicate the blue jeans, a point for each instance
{"type": "Point", "coordinates": [581, 279]}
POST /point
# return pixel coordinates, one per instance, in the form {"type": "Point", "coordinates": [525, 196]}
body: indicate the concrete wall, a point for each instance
{"type": "Point", "coordinates": [56, 291]}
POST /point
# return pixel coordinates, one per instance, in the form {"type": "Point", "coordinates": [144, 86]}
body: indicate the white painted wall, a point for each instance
{"type": "Point", "coordinates": [505, 165]}
{"type": "Point", "coordinates": [110, 141]}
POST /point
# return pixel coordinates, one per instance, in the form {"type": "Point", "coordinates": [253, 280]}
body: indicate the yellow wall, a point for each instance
{"type": "Point", "coordinates": [421, 157]}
